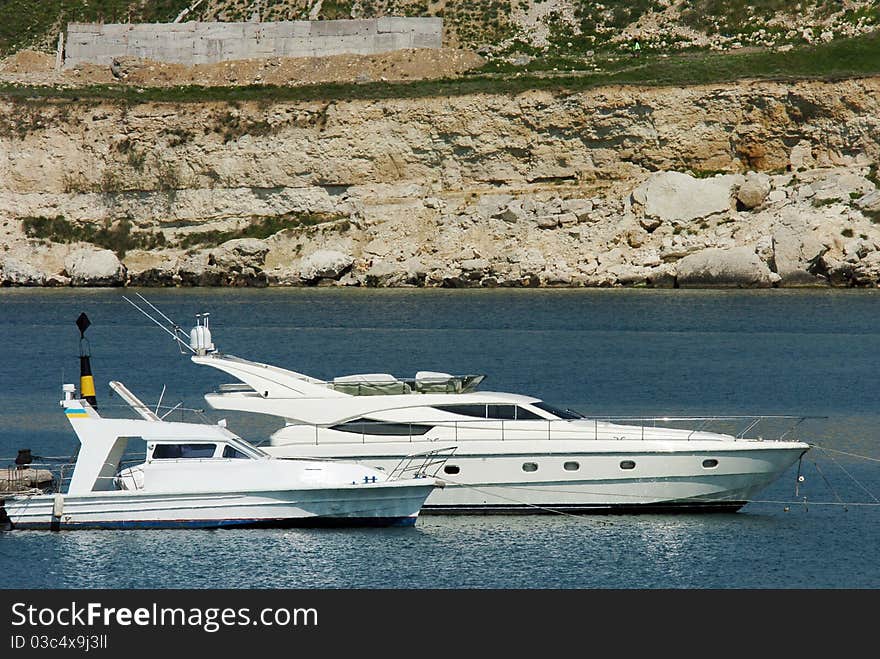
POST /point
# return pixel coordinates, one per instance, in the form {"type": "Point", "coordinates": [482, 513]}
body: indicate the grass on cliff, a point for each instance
{"type": "Point", "coordinates": [262, 227]}
{"type": "Point", "coordinates": [120, 238]}
{"type": "Point", "coordinates": [25, 23]}
{"type": "Point", "coordinates": [117, 237]}
{"type": "Point", "coordinates": [842, 58]}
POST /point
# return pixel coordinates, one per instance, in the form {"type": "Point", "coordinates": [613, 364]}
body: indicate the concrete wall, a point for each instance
{"type": "Point", "coordinates": [202, 43]}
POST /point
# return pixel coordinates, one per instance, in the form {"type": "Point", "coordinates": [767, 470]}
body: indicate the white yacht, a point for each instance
{"type": "Point", "coordinates": [202, 475]}
{"type": "Point", "coordinates": [510, 453]}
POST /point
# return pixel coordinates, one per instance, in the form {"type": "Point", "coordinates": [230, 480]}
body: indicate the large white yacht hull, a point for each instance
{"type": "Point", "coordinates": [383, 504]}
{"type": "Point", "coordinates": [577, 478]}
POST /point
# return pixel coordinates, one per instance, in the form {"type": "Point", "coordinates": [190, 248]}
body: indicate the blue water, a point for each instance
{"type": "Point", "coordinates": [603, 352]}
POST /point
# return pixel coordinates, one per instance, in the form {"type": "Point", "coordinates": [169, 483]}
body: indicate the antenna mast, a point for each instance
{"type": "Point", "coordinates": [175, 330]}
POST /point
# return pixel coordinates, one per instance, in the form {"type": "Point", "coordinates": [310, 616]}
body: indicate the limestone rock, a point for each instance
{"type": "Point", "coordinates": [324, 264]}
{"type": "Point", "coordinates": [492, 205]}
{"type": "Point", "coordinates": [870, 201]}
{"type": "Point", "coordinates": [867, 270]}
{"type": "Point", "coordinates": [776, 196]}
{"type": "Point", "coordinates": [150, 268]}
{"type": "Point", "coordinates": [582, 208]}
{"type": "Point", "coordinates": [14, 272]}
{"type": "Point", "coordinates": [739, 267]}
{"type": "Point", "coordinates": [407, 188]}
{"type": "Point", "coordinates": [512, 212]}
{"type": "Point", "coordinates": [240, 262]}
{"type": "Point", "coordinates": [383, 273]}
{"type": "Point", "coordinates": [196, 270]}
{"type": "Point", "coordinates": [90, 266]}
{"type": "Point", "coordinates": [649, 224]}
{"type": "Point", "coordinates": [754, 190]}
{"type": "Point", "coordinates": [474, 264]}
{"type": "Point", "coordinates": [766, 250]}
{"type": "Point", "coordinates": [241, 253]}
{"type": "Point", "coordinates": [547, 221]}
{"type": "Point", "coordinates": [567, 219]}
{"type": "Point", "coordinates": [839, 184]}
{"type": "Point", "coordinates": [673, 196]}
{"type": "Point", "coordinates": [415, 271]}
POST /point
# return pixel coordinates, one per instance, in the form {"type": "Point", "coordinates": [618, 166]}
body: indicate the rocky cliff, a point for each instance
{"type": "Point", "coordinates": [752, 184]}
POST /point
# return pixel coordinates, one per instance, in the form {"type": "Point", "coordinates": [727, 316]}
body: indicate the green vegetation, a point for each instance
{"type": "Point", "coordinates": [178, 136]}
{"type": "Point", "coordinates": [589, 26]}
{"type": "Point", "coordinates": [479, 22]}
{"type": "Point", "coordinates": [29, 118]}
{"type": "Point", "coordinates": [335, 9]}
{"type": "Point", "coordinates": [168, 179]}
{"type": "Point", "coordinates": [842, 58]}
{"type": "Point", "coordinates": [819, 203]}
{"type": "Point", "coordinates": [29, 23]}
{"type": "Point", "coordinates": [117, 236]}
{"type": "Point", "coordinates": [736, 17]}
{"type": "Point", "coordinates": [707, 173]}
{"type": "Point", "coordinates": [261, 227]}
{"type": "Point", "coordinates": [231, 126]}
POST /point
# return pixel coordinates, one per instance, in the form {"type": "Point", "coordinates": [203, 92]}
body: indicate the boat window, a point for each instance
{"type": "Point", "coordinates": [184, 451]}
{"type": "Point", "coordinates": [232, 452]}
{"type": "Point", "coordinates": [530, 466]}
{"type": "Point", "coordinates": [522, 414]}
{"type": "Point", "coordinates": [478, 411]}
{"type": "Point", "coordinates": [571, 466]}
{"type": "Point", "coordinates": [495, 411]}
{"type": "Point", "coordinates": [373, 427]}
{"type": "Point", "coordinates": [451, 469]}
{"type": "Point", "coordinates": [627, 464]}
{"type": "Point", "coordinates": [710, 463]}
{"type": "Point", "coordinates": [557, 412]}
{"type": "Point", "coordinates": [501, 412]}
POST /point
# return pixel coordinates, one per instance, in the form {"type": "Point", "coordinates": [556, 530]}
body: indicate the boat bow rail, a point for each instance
{"type": "Point", "coordinates": [421, 465]}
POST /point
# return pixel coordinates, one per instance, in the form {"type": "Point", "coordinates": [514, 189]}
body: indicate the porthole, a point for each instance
{"type": "Point", "coordinates": [451, 469]}
{"type": "Point", "coordinates": [571, 466]}
{"type": "Point", "coordinates": [711, 463]}
{"type": "Point", "coordinates": [627, 464]}
{"type": "Point", "coordinates": [530, 466]}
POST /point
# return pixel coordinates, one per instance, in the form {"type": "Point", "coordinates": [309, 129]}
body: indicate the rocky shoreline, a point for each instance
{"type": "Point", "coordinates": [755, 184]}
{"type": "Point", "coordinates": [814, 228]}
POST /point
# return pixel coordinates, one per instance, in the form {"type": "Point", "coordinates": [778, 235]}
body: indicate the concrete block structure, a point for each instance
{"type": "Point", "coordinates": [206, 43]}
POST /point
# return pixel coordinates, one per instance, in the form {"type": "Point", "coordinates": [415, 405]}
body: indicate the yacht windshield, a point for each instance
{"type": "Point", "coordinates": [557, 412]}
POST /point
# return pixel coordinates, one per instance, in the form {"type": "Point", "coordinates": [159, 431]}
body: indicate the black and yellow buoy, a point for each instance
{"type": "Point", "coordinates": [86, 381]}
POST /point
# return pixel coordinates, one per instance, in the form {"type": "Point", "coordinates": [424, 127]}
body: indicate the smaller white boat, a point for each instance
{"type": "Point", "coordinates": [203, 475]}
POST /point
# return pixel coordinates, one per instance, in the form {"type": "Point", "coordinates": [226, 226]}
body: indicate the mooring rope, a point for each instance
{"type": "Point", "coordinates": [854, 455]}
{"type": "Point", "coordinates": [854, 479]}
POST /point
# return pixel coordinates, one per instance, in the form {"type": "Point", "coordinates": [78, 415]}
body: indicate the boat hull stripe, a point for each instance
{"type": "Point", "coordinates": [306, 522]}
{"type": "Point", "coordinates": [683, 507]}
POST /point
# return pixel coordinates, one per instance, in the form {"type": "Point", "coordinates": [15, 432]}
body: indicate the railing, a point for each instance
{"type": "Point", "coordinates": [235, 387]}
{"type": "Point", "coordinates": [457, 384]}
{"type": "Point", "coordinates": [165, 412]}
{"type": "Point", "coordinates": [421, 465]}
{"type": "Point", "coordinates": [761, 427]}
{"type": "Point", "coordinates": [18, 481]}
